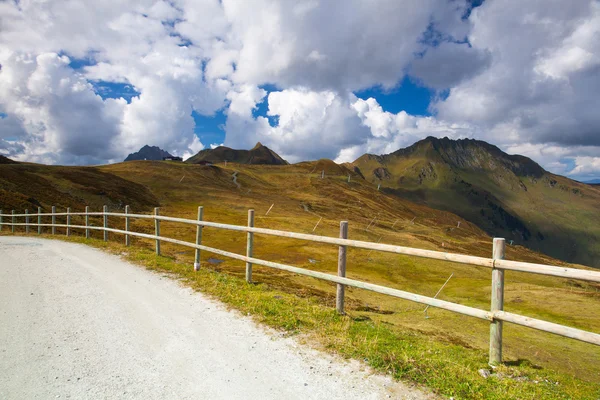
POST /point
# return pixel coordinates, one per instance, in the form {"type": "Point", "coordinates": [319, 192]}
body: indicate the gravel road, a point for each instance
{"type": "Point", "coordinates": [79, 323]}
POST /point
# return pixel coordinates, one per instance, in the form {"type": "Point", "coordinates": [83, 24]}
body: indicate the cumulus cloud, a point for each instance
{"type": "Point", "coordinates": [319, 45]}
{"type": "Point", "coordinates": [542, 80]}
{"type": "Point", "coordinates": [306, 124]}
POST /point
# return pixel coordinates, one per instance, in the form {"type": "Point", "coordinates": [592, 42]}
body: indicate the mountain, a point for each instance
{"type": "Point", "coordinates": [148, 153]}
{"type": "Point", "coordinates": [259, 154]}
{"type": "Point", "coordinates": [506, 195]}
{"type": "Point", "coordinates": [593, 182]}
{"type": "Point", "coordinates": [5, 160]}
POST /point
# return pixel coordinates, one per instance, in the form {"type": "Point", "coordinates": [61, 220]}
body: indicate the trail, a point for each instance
{"type": "Point", "coordinates": [78, 323]}
{"type": "Point", "coordinates": [234, 175]}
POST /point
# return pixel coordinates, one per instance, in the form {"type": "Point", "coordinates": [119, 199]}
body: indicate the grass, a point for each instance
{"type": "Point", "coordinates": [447, 368]}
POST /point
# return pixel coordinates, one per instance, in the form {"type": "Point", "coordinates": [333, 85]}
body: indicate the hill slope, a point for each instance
{"type": "Point", "coordinates": [505, 195]}
{"type": "Point", "coordinates": [29, 186]}
{"type": "Point", "coordinates": [5, 160]}
{"type": "Point", "coordinates": [259, 154]}
{"type": "Point", "coordinates": [150, 153]}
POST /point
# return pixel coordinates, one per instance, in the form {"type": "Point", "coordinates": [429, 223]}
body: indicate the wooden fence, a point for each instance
{"type": "Point", "coordinates": [496, 315]}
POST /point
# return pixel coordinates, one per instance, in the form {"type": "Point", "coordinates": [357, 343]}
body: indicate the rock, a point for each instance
{"type": "Point", "coordinates": [485, 373]}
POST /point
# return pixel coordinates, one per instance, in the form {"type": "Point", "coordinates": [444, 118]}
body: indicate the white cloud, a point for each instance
{"type": "Point", "coordinates": [542, 82]}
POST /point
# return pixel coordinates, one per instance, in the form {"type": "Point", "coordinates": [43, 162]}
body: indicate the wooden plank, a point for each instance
{"type": "Point", "coordinates": [53, 220]}
{"type": "Point", "coordinates": [157, 230]}
{"type": "Point", "coordinates": [573, 333]}
{"type": "Point", "coordinates": [87, 222]}
{"type": "Point", "coordinates": [542, 269]}
{"type": "Point", "coordinates": [198, 239]}
{"type": "Point", "coordinates": [498, 252]}
{"type": "Point", "coordinates": [127, 237]}
{"type": "Point", "coordinates": [68, 221]}
{"type": "Point", "coordinates": [105, 221]}
{"type": "Point", "coordinates": [249, 246]}
{"type": "Point", "coordinates": [340, 289]}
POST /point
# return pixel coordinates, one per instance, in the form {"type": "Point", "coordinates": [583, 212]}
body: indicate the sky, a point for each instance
{"type": "Point", "coordinates": [88, 82]}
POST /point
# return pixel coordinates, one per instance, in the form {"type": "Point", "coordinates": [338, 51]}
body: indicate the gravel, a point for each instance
{"type": "Point", "coordinates": [76, 322]}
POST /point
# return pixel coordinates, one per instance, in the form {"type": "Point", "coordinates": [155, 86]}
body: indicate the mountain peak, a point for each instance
{"type": "Point", "coordinates": [147, 152]}
{"type": "Point", "coordinates": [259, 154]}
{"type": "Point", "coordinates": [469, 154]}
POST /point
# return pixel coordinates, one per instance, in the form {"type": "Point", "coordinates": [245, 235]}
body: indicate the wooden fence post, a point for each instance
{"type": "Point", "coordinates": [249, 246]}
{"type": "Point", "coordinates": [498, 253]}
{"type": "Point", "coordinates": [87, 221]}
{"type": "Point", "coordinates": [127, 237]}
{"type": "Point", "coordinates": [104, 211]}
{"type": "Point", "coordinates": [68, 221]}
{"type": "Point", "coordinates": [339, 298]}
{"type": "Point", "coordinates": [198, 238]}
{"type": "Point", "coordinates": [39, 220]}
{"type": "Point", "coordinates": [157, 230]}
{"type": "Point", "coordinates": [26, 221]}
{"type": "Point", "coordinates": [53, 220]}
{"type": "Point", "coordinates": [1, 220]}
{"type": "Point", "coordinates": [13, 221]}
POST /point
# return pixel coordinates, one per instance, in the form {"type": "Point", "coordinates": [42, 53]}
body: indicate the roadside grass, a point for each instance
{"type": "Point", "coordinates": [447, 367]}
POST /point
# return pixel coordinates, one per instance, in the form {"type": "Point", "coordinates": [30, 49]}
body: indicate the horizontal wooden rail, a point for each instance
{"type": "Point", "coordinates": [573, 333]}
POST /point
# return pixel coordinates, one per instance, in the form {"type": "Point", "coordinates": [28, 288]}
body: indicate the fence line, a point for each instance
{"type": "Point", "coordinates": [497, 263]}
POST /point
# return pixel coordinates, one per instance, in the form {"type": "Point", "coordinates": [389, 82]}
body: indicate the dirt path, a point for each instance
{"type": "Point", "coordinates": [78, 323]}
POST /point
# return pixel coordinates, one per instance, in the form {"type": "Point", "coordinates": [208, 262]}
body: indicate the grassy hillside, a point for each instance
{"type": "Point", "coordinates": [508, 196]}
{"type": "Point", "coordinates": [300, 198]}
{"type": "Point", "coordinates": [29, 186]}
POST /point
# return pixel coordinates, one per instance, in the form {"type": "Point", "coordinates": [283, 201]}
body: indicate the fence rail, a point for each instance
{"type": "Point", "coordinates": [496, 315]}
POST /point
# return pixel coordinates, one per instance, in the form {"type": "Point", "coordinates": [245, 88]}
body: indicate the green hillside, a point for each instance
{"type": "Point", "coordinates": [505, 195]}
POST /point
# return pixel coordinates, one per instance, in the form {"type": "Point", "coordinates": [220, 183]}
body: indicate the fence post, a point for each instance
{"type": "Point", "coordinates": [26, 221]}
{"type": "Point", "coordinates": [249, 246]}
{"type": "Point", "coordinates": [68, 221]}
{"type": "Point", "coordinates": [13, 221]}
{"type": "Point", "coordinates": [198, 238]}
{"type": "Point", "coordinates": [157, 230]}
{"type": "Point", "coordinates": [127, 237]}
{"type": "Point", "coordinates": [339, 298]}
{"type": "Point", "coordinates": [39, 220]}
{"type": "Point", "coordinates": [53, 220]}
{"type": "Point", "coordinates": [104, 211]}
{"type": "Point", "coordinates": [87, 222]}
{"type": "Point", "coordinates": [1, 220]}
{"type": "Point", "coordinates": [497, 303]}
